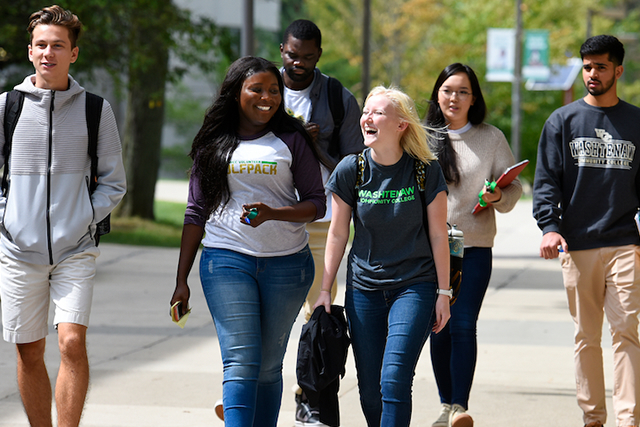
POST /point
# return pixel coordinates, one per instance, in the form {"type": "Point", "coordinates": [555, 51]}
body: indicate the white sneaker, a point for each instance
{"type": "Point", "coordinates": [219, 409]}
{"type": "Point", "coordinates": [443, 419]}
{"type": "Point", "coordinates": [458, 417]}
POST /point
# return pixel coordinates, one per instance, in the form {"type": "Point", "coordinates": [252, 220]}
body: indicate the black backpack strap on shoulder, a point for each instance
{"type": "Point", "coordinates": [421, 176]}
{"type": "Point", "coordinates": [12, 110]}
{"type": "Point", "coordinates": [93, 111]}
{"type": "Point", "coordinates": [336, 105]}
{"type": "Point", "coordinates": [360, 165]}
{"type": "Point", "coordinates": [360, 170]}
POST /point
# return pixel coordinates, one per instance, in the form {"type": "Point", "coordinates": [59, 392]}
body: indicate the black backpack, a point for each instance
{"type": "Point", "coordinates": [93, 111]}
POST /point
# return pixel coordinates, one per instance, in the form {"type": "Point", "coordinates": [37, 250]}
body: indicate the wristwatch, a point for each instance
{"type": "Point", "coordinates": [447, 292]}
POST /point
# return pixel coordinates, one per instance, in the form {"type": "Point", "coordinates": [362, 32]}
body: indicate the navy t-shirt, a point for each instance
{"type": "Point", "coordinates": [390, 246]}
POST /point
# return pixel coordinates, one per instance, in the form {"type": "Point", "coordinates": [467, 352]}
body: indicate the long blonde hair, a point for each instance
{"type": "Point", "coordinates": [415, 138]}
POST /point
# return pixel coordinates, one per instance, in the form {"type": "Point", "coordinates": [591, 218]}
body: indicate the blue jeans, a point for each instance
{"type": "Point", "coordinates": [388, 331]}
{"type": "Point", "coordinates": [254, 302]}
{"type": "Point", "coordinates": [455, 349]}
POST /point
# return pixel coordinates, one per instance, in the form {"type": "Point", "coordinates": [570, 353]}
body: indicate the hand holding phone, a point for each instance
{"type": "Point", "coordinates": [177, 315]}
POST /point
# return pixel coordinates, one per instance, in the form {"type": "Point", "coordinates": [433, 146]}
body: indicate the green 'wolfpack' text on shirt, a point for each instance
{"type": "Point", "coordinates": [387, 196]}
{"type": "Point", "coordinates": [253, 166]}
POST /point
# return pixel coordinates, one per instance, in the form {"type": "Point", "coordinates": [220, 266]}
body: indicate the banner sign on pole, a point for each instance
{"type": "Point", "coordinates": [536, 55]}
{"type": "Point", "coordinates": [501, 47]}
{"type": "Point", "coordinates": [501, 50]}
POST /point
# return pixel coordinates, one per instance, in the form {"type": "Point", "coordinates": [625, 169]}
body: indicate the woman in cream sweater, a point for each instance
{"type": "Point", "coordinates": [469, 153]}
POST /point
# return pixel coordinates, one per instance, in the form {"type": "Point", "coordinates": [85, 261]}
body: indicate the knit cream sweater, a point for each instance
{"type": "Point", "coordinates": [482, 153]}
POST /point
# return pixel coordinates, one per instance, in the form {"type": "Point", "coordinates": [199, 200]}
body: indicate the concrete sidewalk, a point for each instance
{"type": "Point", "coordinates": [145, 371]}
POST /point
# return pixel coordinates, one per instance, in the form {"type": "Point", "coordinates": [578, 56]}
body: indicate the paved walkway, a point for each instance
{"type": "Point", "coordinates": [145, 371]}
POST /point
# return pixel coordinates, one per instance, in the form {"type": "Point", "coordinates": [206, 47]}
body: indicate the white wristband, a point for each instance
{"type": "Point", "coordinates": [447, 292]}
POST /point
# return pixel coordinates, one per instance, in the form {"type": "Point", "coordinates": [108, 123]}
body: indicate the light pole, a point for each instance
{"type": "Point", "coordinates": [516, 85]}
{"type": "Point", "coordinates": [366, 49]}
{"type": "Point", "coordinates": [247, 29]}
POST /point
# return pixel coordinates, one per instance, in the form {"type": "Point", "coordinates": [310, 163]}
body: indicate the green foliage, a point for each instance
{"type": "Point", "coordinates": [208, 47]}
{"type": "Point", "coordinates": [170, 213]}
{"type": "Point", "coordinates": [165, 231]}
{"type": "Point", "coordinates": [292, 10]}
{"type": "Point", "coordinates": [341, 25]}
{"type": "Point", "coordinates": [413, 40]}
{"type": "Point", "coordinates": [109, 41]}
{"type": "Point", "coordinates": [176, 162]}
{"type": "Point", "coordinates": [268, 45]}
{"type": "Point", "coordinates": [106, 26]}
{"type": "Point", "coordinates": [14, 39]}
{"type": "Point", "coordinates": [184, 111]}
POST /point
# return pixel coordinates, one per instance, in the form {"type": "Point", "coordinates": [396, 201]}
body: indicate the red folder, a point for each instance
{"type": "Point", "coordinates": [505, 179]}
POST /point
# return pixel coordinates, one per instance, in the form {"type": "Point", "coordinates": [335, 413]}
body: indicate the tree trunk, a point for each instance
{"type": "Point", "coordinates": [148, 68]}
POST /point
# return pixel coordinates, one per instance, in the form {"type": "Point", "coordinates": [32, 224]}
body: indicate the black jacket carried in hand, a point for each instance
{"type": "Point", "coordinates": [322, 355]}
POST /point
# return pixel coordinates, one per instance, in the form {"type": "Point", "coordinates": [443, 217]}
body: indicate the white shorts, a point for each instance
{"type": "Point", "coordinates": [26, 289]}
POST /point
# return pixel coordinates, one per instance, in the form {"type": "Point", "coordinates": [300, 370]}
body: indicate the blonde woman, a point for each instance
{"type": "Point", "coordinates": [398, 271]}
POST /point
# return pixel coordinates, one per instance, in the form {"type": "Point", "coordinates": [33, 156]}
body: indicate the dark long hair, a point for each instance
{"type": "Point", "coordinates": [435, 118]}
{"type": "Point", "coordinates": [217, 139]}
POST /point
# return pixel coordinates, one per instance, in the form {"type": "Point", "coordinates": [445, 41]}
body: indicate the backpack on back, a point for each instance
{"type": "Point", "coordinates": [93, 112]}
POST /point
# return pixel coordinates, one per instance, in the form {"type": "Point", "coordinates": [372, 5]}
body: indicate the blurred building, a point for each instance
{"type": "Point", "coordinates": [229, 13]}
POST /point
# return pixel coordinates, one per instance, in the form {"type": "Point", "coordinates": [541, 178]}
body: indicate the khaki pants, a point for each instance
{"type": "Point", "coordinates": [317, 242]}
{"type": "Point", "coordinates": [605, 281]}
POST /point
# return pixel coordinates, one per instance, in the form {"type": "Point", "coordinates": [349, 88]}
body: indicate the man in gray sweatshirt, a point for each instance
{"type": "Point", "coordinates": [585, 197]}
{"type": "Point", "coordinates": [48, 218]}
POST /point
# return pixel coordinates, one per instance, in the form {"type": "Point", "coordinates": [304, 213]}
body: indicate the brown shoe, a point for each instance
{"type": "Point", "coordinates": [594, 424]}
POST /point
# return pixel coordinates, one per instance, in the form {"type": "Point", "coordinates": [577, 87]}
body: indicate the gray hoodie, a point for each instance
{"type": "Point", "coordinates": [48, 213]}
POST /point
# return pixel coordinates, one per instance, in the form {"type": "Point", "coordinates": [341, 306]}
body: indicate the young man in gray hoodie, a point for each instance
{"type": "Point", "coordinates": [48, 219]}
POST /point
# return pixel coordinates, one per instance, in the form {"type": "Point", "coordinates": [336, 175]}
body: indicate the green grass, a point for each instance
{"type": "Point", "coordinates": [165, 231]}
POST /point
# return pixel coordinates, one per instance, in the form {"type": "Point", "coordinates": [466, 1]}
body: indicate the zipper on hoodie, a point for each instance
{"type": "Point", "coordinates": [49, 163]}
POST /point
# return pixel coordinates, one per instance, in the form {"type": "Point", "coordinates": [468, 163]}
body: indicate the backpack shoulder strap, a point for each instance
{"type": "Point", "coordinates": [360, 169]}
{"type": "Point", "coordinates": [360, 165]}
{"type": "Point", "coordinates": [421, 174]}
{"type": "Point", "coordinates": [12, 110]}
{"type": "Point", "coordinates": [334, 92]}
{"type": "Point", "coordinates": [93, 111]}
